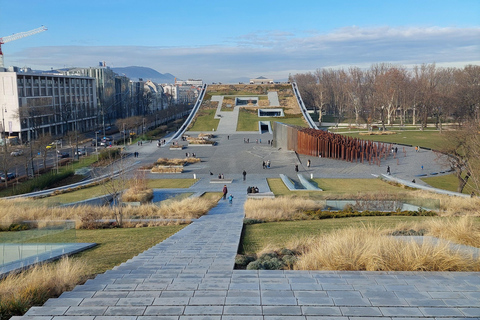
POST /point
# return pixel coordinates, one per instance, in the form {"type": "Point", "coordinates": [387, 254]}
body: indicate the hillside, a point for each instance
{"type": "Point", "coordinates": [145, 73]}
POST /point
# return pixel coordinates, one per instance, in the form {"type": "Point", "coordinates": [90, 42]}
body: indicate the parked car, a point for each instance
{"type": "Point", "coordinates": [53, 144]}
{"type": "Point", "coordinates": [16, 153]}
{"type": "Point", "coordinates": [10, 176]}
{"type": "Point", "coordinates": [62, 155]}
{"type": "Point", "coordinates": [80, 152]}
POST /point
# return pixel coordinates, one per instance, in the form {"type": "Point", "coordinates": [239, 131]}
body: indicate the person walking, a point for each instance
{"type": "Point", "coordinates": [388, 170]}
{"type": "Point", "coordinates": [230, 199]}
{"type": "Point", "coordinates": [225, 190]}
{"type": "Point", "coordinates": [308, 163]}
{"type": "Point", "coordinates": [296, 168]}
{"type": "Point", "coordinates": [244, 173]}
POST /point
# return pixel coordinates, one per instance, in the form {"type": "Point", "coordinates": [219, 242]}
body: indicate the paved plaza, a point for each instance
{"type": "Point", "coordinates": [191, 274]}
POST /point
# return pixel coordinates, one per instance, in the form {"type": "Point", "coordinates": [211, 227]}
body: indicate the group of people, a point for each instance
{"type": "Point", "coordinates": [266, 164]}
{"type": "Point", "coordinates": [225, 191]}
{"type": "Point", "coordinates": [187, 154]}
{"type": "Point", "coordinates": [252, 190]}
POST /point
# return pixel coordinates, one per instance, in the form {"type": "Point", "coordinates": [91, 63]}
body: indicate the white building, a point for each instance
{"type": "Point", "coordinates": [261, 80]}
{"type": "Point", "coordinates": [41, 104]}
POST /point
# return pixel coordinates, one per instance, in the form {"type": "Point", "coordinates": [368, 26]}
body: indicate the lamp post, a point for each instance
{"type": "Point", "coordinates": [124, 135]}
{"type": "Point", "coordinates": [96, 144]}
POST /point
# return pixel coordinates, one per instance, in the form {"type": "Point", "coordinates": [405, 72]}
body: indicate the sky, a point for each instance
{"type": "Point", "coordinates": [228, 41]}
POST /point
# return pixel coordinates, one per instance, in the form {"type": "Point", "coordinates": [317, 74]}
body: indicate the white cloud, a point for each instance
{"type": "Point", "coordinates": [275, 54]}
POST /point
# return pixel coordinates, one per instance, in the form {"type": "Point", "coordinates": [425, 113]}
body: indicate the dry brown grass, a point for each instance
{"type": "Point", "coordinates": [462, 230]}
{"type": "Point", "coordinates": [451, 206]}
{"type": "Point", "coordinates": [185, 209]}
{"type": "Point", "coordinates": [167, 169]}
{"type": "Point", "coordinates": [18, 292]}
{"type": "Point", "coordinates": [279, 209]}
{"type": "Point", "coordinates": [176, 161]}
{"type": "Point", "coordinates": [368, 249]}
{"type": "Point", "coordinates": [138, 190]}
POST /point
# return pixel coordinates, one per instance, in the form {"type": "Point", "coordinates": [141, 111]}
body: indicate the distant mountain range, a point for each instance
{"type": "Point", "coordinates": [136, 73]}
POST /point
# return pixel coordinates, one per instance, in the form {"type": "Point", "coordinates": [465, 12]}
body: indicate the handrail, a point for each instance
{"type": "Point", "coordinates": [190, 117]}
{"type": "Point", "coordinates": [305, 113]}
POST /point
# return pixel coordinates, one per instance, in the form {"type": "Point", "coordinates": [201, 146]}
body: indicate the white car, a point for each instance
{"type": "Point", "coordinates": [16, 153]}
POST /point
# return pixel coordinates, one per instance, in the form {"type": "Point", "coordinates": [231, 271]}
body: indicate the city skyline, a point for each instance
{"type": "Point", "coordinates": [227, 41]}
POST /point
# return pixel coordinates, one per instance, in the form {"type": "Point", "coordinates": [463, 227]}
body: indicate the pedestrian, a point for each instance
{"type": "Point", "coordinates": [228, 137]}
{"type": "Point", "coordinates": [186, 154]}
{"type": "Point", "coordinates": [249, 190]}
{"type": "Point", "coordinates": [268, 142]}
{"type": "Point", "coordinates": [308, 163]}
{"type": "Point", "coordinates": [225, 190]}
{"type": "Point", "coordinates": [422, 166]}
{"type": "Point", "coordinates": [222, 177]}
{"type": "Point", "coordinates": [268, 164]}
{"type": "Point", "coordinates": [396, 150]}
{"type": "Point", "coordinates": [296, 168]}
{"type": "Point", "coordinates": [260, 140]}
{"type": "Point", "coordinates": [244, 175]}
{"type": "Point", "coordinates": [230, 198]}
{"type": "Point", "coordinates": [414, 181]}
{"type": "Point", "coordinates": [256, 141]}
{"type": "Point", "coordinates": [219, 176]}
{"type": "Point", "coordinates": [388, 170]}
{"type": "Point", "coordinates": [263, 165]}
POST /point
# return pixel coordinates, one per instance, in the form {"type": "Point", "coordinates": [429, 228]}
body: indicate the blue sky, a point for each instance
{"type": "Point", "coordinates": [227, 40]}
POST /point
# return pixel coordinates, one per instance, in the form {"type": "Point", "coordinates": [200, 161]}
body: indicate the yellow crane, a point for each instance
{"type": "Point", "coordinates": [17, 36]}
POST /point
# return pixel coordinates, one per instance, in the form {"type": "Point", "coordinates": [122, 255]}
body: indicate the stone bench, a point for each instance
{"type": "Point", "coordinates": [221, 180]}
{"type": "Point", "coordinates": [261, 195]}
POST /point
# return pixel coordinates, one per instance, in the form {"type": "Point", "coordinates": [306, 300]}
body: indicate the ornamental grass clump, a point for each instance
{"type": "Point", "coordinates": [20, 291]}
{"type": "Point", "coordinates": [279, 209]}
{"type": "Point", "coordinates": [367, 249]}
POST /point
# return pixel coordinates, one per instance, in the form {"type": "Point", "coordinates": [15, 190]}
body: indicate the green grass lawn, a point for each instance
{"type": "Point", "coordinates": [248, 120]}
{"type": "Point", "coordinates": [335, 187]}
{"type": "Point", "coordinates": [114, 245]}
{"type": "Point", "coordinates": [205, 120]}
{"type": "Point", "coordinates": [257, 236]}
{"type": "Point", "coordinates": [99, 190]}
{"type": "Point", "coordinates": [427, 138]}
{"type": "Point", "coordinates": [447, 182]}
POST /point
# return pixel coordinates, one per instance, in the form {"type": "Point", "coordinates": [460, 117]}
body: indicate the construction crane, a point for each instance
{"type": "Point", "coordinates": [17, 36]}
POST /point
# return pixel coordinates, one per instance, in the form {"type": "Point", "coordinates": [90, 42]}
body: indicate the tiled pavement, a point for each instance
{"type": "Point", "coordinates": [191, 276]}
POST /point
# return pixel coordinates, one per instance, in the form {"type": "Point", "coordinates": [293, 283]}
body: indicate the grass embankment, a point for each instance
{"type": "Point", "coordinates": [100, 190]}
{"type": "Point", "coordinates": [205, 121]}
{"type": "Point", "coordinates": [362, 243]}
{"type": "Point", "coordinates": [248, 120]}
{"type": "Point", "coordinates": [87, 215]}
{"type": "Point", "coordinates": [338, 188]}
{"type": "Point", "coordinates": [447, 182]}
{"type": "Point", "coordinates": [426, 138]}
{"type": "Point", "coordinates": [371, 250]}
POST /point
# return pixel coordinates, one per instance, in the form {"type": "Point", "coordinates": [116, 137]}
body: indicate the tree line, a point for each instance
{"type": "Point", "coordinates": [388, 94]}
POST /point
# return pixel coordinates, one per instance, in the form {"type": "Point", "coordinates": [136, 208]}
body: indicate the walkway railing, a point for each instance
{"type": "Point", "coordinates": [192, 114]}
{"type": "Point", "coordinates": [305, 113]}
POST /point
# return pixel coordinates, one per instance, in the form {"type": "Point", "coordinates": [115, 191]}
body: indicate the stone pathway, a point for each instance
{"type": "Point", "coordinates": [191, 276]}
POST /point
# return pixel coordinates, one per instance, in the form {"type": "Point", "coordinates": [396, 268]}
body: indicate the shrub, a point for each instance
{"type": "Point", "coordinates": [109, 154]}
{"type": "Point", "coordinates": [42, 182]}
{"type": "Point", "coordinates": [247, 221]}
{"type": "Point", "coordinates": [243, 261]}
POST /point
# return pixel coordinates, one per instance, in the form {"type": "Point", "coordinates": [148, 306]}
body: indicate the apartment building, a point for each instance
{"type": "Point", "coordinates": [34, 104]}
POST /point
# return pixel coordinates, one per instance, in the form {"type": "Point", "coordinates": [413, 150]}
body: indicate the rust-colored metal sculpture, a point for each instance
{"type": "Point", "coordinates": [321, 143]}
